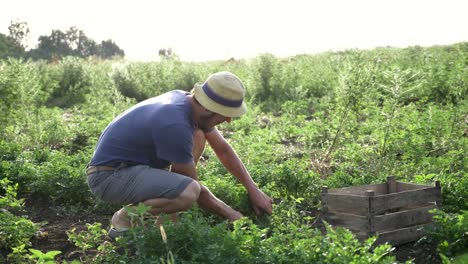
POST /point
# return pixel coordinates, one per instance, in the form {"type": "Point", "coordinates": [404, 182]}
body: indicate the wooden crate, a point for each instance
{"type": "Point", "coordinates": [394, 211]}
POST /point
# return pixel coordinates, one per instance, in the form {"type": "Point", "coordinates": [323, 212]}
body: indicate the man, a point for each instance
{"type": "Point", "coordinates": [148, 154]}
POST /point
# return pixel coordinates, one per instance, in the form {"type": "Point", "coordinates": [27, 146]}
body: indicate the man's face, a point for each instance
{"type": "Point", "coordinates": [209, 119]}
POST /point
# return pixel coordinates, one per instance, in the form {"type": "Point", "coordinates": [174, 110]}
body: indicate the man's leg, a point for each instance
{"type": "Point", "coordinates": [183, 202]}
{"type": "Point", "coordinates": [163, 191]}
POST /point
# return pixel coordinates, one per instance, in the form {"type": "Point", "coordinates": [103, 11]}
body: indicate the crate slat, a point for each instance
{"type": "Point", "coordinates": [382, 203]}
{"type": "Point", "coordinates": [401, 236]}
{"type": "Point", "coordinates": [404, 186]}
{"type": "Point", "coordinates": [345, 203]}
{"type": "Point", "coordinates": [402, 219]}
{"type": "Point", "coordinates": [350, 221]}
{"type": "Point", "coordinates": [380, 188]}
{"type": "Point", "coordinates": [391, 184]}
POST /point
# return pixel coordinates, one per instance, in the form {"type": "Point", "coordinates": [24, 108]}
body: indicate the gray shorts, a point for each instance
{"type": "Point", "coordinates": [136, 184]}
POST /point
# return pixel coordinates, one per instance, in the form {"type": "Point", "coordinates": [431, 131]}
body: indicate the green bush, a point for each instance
{"type": "Point", "coordinates": [14, 230]}
{"type": "Point", "coordinates": [62, 179]}
{"type": "Point", "coordinates": [73, 83]}
{"type": "Point", "coordinates": [450, 231]}
{"type": "Point", "coordinates": [20, 92]}
{"type": "Point", "coordinates": [144, 80]}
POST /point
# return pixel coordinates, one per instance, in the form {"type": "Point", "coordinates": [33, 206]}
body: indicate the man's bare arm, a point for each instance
{"type": "Point", "coordinates": [232, 162]}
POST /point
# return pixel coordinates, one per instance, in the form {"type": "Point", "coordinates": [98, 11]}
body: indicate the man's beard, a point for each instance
{"type": "Point", "coordinates": [205, 121]}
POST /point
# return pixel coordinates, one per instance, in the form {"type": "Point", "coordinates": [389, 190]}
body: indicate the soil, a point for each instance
{"type": "Point", "coordinates": [56, 221]}
{"type": "Point", "coordinates": [418, 253]}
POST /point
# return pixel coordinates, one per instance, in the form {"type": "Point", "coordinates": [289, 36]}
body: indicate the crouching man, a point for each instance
{"type": "Point", "coordinates": [149, 153]}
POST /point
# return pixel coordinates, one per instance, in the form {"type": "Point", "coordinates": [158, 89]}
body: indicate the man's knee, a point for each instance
{"type": "Point", "coordinates": [190, 194]}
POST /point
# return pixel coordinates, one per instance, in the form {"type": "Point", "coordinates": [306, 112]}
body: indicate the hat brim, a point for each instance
{"type": "Point", "coordinates": [211, 105]}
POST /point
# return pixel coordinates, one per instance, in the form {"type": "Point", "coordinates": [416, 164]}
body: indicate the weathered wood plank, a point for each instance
{"type": "Point", "coordinates": [403, 219]}
{"type": "Point", "coordinates": [370, 214]}
{"type": "Point", "coordinates": [381, 203]}
{"type": "Point", "coordinates": [379, 189]}
{"type": "Point", "coordinates": [345, 203]}
{"type": "Point", "coordinates": [405, 186]}
{"type": "Point", "coordinates": [391, 188]}
{"type": "Point", "coordinates": [439, 198]}
{"type": "Point", "coordinates": [391, 184]}
{"type": "Point", "coordinates": [415, 206]}
{"type": "Point", "coordinates": [350, 221]}
{"type": "Point", "coordinates": [401, 236]}
{"type": "Point", "coordinates": [361, 236]}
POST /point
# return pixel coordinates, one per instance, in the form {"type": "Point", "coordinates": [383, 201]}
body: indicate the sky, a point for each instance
{"type": "Point", "coordinates": [202, 30]}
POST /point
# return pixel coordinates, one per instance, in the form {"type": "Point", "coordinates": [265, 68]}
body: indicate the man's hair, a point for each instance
{"type": "Point", "coordinates": [195, 99]}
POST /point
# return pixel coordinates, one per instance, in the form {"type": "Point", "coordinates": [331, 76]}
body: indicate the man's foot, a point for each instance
{"type": "Point", "coordinates": [114, 233]}
{"type": "Point", "coordinates": [118, 223]}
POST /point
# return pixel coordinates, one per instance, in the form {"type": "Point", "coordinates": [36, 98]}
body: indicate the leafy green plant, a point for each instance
{"type": "Point", "coordinates": [18, 254]}
{"type": "Point", "coordinates": [398, 84]}
{"type": "Point", "coordinates": [456, 260]}
{"type": "Point", "coordinates": [266, 67]}
{"type": "Point", "coordinates": [144, 80]}
{"type": "Point", "coordinates": [450, 231]}
{"type": "Point", "coordinates": [87, 240]}
{"type": "Point", "coordinates": [44, 258]}
{"type": "Point", "coordinates": [73, 83]}
{"type": "Point", "coordinates": [19, 92]}
{"type": "Point", "coordinates": [14, 230]}
{"type": "Point", "coordinates": [62, 178]}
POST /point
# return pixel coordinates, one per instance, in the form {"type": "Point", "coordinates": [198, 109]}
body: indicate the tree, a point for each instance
{"type": "Point", "coordinates": [108, 49]}
{"type": "Point", "coordinates": [81, 45]}
{"type": "Point", "coordinates": [59, 44]}
{"type": "Point", "coordinates": [8, 47]}
{"type": "Point", "coordinates": [14, 44]}
{"type": "Point", "coordinates": [166, 53]}
{"type": "Point", "coordinates": [19, 33]}
{"type": "Point", "coordinates": [55, 45]}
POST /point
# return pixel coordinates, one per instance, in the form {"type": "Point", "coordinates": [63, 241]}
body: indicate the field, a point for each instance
{"type": "Point", "coordinates": [332, 119]}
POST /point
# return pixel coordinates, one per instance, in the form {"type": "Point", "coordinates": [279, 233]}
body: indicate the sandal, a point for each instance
{"type": "Point", "coordinates": [114, 233]}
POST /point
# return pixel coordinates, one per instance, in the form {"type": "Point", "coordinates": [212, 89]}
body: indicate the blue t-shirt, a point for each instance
{"type": "Point", "coordinates": [154, 132]}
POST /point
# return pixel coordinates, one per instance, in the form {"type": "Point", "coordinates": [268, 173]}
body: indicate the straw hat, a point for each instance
{"type": "Point", "coordinates": [222, 93]}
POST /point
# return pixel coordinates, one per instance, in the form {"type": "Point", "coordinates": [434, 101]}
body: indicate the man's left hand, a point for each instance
{"type": "Point", "coordinates": [260, 202]}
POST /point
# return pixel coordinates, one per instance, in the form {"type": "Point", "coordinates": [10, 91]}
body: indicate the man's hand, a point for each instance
{"type": "Point", "coordinates": [234, 215]}
{"type": "Point", "coordinates": [260, 202]}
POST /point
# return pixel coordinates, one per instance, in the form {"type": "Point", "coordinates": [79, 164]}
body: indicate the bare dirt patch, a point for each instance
{"type": "Point", "coordinates": [55, 222]}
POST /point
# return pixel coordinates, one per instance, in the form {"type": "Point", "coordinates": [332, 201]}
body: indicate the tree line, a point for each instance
{"type": "Point", "coordinates": [72, 42]}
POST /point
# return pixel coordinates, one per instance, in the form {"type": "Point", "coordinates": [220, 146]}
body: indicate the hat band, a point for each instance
{"type": "Point", "coordinates": [218, 99]}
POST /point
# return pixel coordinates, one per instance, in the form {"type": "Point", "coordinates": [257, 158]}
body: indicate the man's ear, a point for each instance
{"type": "Point", "coordinates": [204, 111]}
